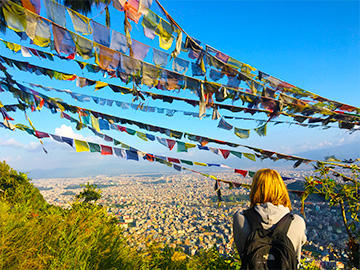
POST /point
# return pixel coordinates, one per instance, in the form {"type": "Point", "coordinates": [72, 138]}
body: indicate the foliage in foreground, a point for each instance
{"type": "Point", "coordinates": [345, 193]}
{"type": "Point", "coordinates": [36, 235]}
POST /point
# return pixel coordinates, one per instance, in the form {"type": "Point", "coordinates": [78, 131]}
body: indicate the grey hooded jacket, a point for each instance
{"type": "Point", "coordinates": [270, 215]}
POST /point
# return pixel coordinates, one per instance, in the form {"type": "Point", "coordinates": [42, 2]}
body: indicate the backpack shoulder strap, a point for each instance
{"type": "Point", "coordinates": [253, 218]}
{"type": "Point", "coordinates": [284, 223]}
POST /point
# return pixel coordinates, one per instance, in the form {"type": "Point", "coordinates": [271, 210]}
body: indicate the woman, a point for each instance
{"type": "Point", "coordinates": [270, 199]}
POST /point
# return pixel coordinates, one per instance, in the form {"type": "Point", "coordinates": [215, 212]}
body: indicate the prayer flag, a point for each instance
{"type": "Point", "coordinates": [106, 58]}
{"type": "Point", "coordinates": [165, 44]}
{"type": "Point", "coordinates": [173, 160]}
{"type": "Point", "coordinates": [106, 150]}
{"type": "Point", "coordinates": [81, 23]}
{"type": "Point", "coordinates": [249, 156]}
{"type": "Point", "coordinates": [132, 155]}
{"type": "Point", "coordinates": [225, 153]}
{"type": "Point", "coordinates": [40, 134]}
{"type": "Point", "coordinates": [187, 162]}
{"type": "Point", "coordinates": [200, 164]}
{"type": "Point", "coordinates": [180, 65]}
{"type": "Point", "coordinates": [149, 23]}
{"type": "Point", "coordinates": [235, 153]}
{"type": "Point", "coordinates": [32, 5]}
{"type": "Point", "coordinates": [63, 41]}
{"type": "Point", "coordinates": [101, 34]}
{"type": "Point", "coordinates": [164, 30]}
{"type": "Point", "coordinates": [160, 58]}
{"type": "Point", "coordinates": [69, 141]}
{"type": "Point", "coordinates": [225, 125]}
{"type": "Point", "coordinates": [94, 147]}
{"type": "Point", "coordinates": [261, 131]}
{"type": "Point", "coordinates": [118, 42]}
{"type": "Point", "coordinates": [55, 12]}
{"type": "Point", "coordinates": [170, 143]}
{"type": "Point", "coordinates": [139, 50]}
{"type": "Point", "coordinates": [242, 172]}
{"type": "Point", "coordinates": [14, 16]}
{"type": "Point", "coordinates": [120, 152]}
{"type": "Point", "coordinates": [81, 146]}
{"type": "Point", "coordinates": [242, 133]}
{"type": "Point", "coordinates": [95, 123]}
{"type": "Point", "coordinates": [42, 33]}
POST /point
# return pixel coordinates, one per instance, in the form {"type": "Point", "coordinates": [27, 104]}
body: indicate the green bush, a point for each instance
{"type": "Point", "coordinates": [36, 235]}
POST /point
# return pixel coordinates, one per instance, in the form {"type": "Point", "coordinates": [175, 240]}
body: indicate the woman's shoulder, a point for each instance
{"type": "Point", "coordinates": [298, 222]}
{"type": "Point", "coordinates": [239, 217]}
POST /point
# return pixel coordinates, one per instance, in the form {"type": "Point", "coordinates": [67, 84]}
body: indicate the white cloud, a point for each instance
{"type": "Point", "coordinates": [16, 144]}
{"type": "Point", "coordinates": [287, 149]}
{"type": "Point", "coordinates": [67, 131]}
{"type": "Point", "coordinates": [10, 159]}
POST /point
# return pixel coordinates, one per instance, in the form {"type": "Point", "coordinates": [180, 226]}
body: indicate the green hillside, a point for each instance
{"type": "Point", "coordinates": [36, 235]}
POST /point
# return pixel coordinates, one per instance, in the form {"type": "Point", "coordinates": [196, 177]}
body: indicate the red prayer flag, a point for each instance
{"type": "Point", "coordinates": [40, 134]}
{"type": "Point", "coordinates": [225, 153]}
{"type": "Point", "coordinates": [242, 172]}
{"type": "Point", "coordinates": [106, 150]}
{"type": "Point", "coordinates": [174, 160]}
{"type": "Point", "coordinates": [170, 143]}
{"type": "Point", "coordinates": [122, 129]}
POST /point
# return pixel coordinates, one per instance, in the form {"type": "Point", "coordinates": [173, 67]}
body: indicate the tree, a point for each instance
{"type": "Point", "coordinates": [344, 191]}
{"type": "Point", "coordinates": [90, 194]}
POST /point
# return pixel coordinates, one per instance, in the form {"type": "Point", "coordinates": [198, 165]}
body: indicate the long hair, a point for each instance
{"type": "Point", "coordinates": [268, 186]}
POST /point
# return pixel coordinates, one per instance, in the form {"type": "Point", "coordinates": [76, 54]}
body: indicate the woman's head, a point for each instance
{"type": "Point", "coordinates": [268, 186]}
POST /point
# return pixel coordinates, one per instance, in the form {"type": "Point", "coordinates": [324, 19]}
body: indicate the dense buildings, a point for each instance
{"type": "Point", "coordinates": [182, 209]}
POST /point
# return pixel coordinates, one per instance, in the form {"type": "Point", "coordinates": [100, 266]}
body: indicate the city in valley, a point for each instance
{"type": "Point", "coordinates": [182, 209]}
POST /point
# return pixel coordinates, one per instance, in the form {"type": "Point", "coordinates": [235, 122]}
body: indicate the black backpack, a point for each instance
{"type": "Point", "coordinates": [268, 249]}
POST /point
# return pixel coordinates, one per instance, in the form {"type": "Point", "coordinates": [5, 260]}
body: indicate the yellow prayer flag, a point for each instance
{"type": "Point", "coordinates": [249, 156]}
{"type": "Point", "coordinates": [141, 135]}
{"type": "Point", "coordinates": [95, 123]}
{"type": "Point", "coordinates": [100, 85]}
{"type": "Point", "coordinates": [165, 44]}
{"type": "Point", "coordinates": [80, 22]}
{"type": "Point", "coordinates": [81, 146]}
{"type": "Point", "coordinates": [247, 68]}
{"type": "Point", "coordinates": [13, 46]}
{"type": "Point", "coordinates": [42, 33]}
{"type": "Point", "coordinates": [200, 164]}
{"type": "Point", "coordinates": [189, 145]}
{"type": "Point", "coordinates": [31, 23]}
{"type": "Point", "coordinates": [14, 16]}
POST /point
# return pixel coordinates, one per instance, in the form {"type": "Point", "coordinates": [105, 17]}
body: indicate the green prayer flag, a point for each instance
{"type": "Point", "coordinates": [130, 131]}
{"type": "Point", "coordinates": [188, 162]}
{"type": "Point", "coordinates": [235, 153]}
{"type": "Point", "coordinates": [181, 147]}
{"type": "Point", "coordinates": [116, 142]}
{"type": "Point", "coordinates": [94, 147]}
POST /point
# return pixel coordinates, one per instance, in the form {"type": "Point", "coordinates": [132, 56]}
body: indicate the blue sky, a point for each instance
{"type": "Point", "coordinates": [311, 44]}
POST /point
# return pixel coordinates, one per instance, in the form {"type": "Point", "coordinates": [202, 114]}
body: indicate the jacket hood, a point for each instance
{"type": "Point", "coordinates": [271, 214]}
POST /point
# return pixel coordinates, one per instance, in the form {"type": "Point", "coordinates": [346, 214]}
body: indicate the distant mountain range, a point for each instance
{"type": "Point", "coordinates": [129, 167]}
